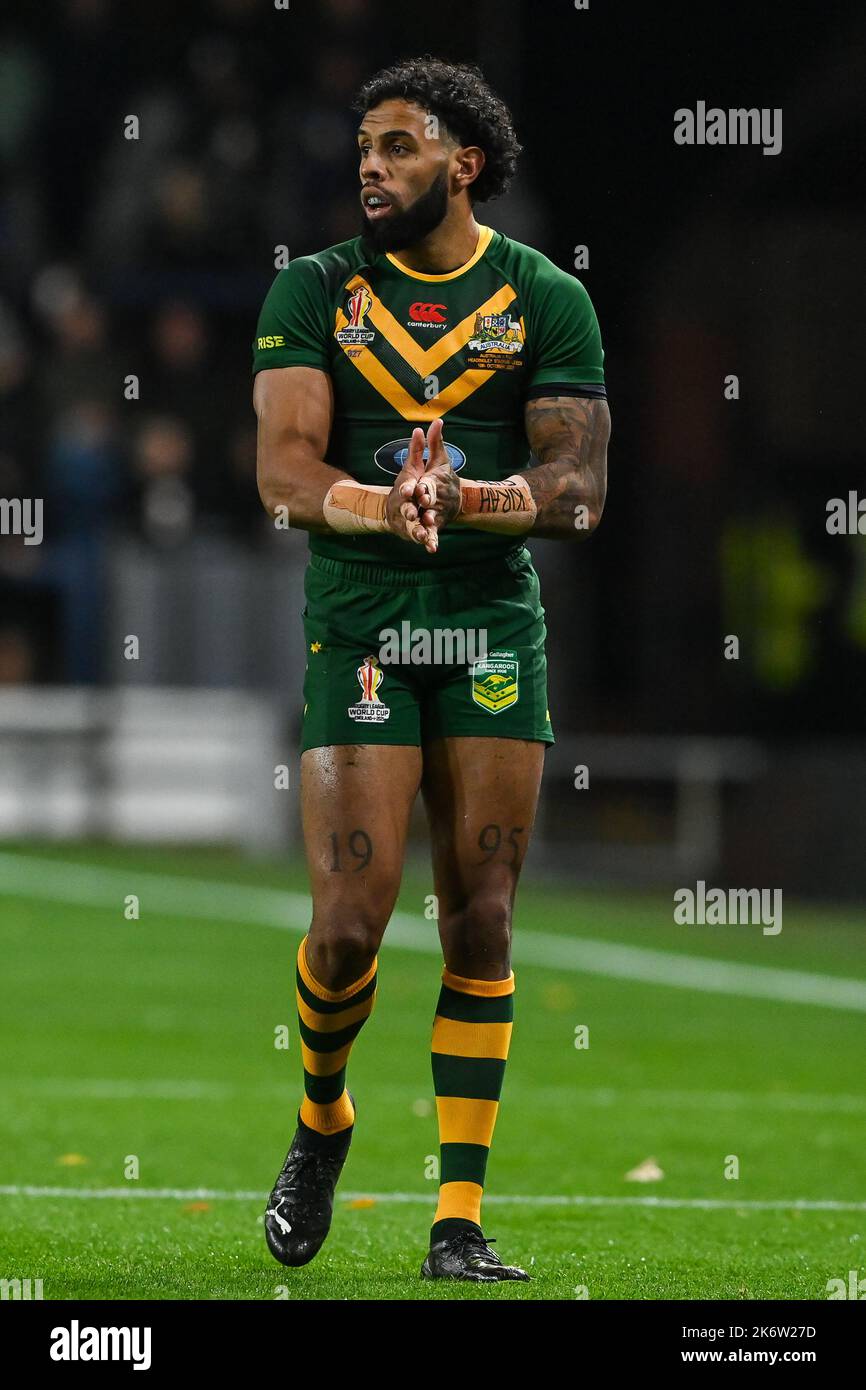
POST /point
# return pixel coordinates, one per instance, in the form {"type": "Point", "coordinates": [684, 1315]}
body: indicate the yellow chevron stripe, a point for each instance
{"type": "Point", "coordinates": [427, 360]}
{"type": "Point", "coordinates": [399, 398]}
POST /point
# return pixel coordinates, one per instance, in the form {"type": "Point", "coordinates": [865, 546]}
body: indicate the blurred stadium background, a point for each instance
{"type": "Point", "coordinates": [151, 258]}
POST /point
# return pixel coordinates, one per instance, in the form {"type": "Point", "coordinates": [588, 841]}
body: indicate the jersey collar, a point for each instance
{"type": "Point", "coordinates": [485, 236]}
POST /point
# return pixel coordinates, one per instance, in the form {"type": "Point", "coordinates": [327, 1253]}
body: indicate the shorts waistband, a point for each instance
{"type": "Point", "coordinates": [402, 577]}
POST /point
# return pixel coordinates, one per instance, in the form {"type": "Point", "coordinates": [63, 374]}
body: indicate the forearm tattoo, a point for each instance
{"type": "Point", "coordinates": [568, 435]}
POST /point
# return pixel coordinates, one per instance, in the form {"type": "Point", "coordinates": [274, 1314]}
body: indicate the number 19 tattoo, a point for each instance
{"type": "Point", "coordinates": [360, 847]}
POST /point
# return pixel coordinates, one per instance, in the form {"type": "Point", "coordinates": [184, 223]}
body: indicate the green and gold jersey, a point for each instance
{"type": "Point", "coordinates": [403, 348]}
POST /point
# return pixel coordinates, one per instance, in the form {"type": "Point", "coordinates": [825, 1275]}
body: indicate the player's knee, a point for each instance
{"type": "Point", "coordinates": [477, 937]}
{"type": "Point", "coordinates": [343, 943]}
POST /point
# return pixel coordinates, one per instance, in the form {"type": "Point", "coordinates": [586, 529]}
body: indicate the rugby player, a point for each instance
{"type": "Point", "coordinates": [430, 395]}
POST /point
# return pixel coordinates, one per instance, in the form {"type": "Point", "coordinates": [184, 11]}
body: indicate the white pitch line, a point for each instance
{"type": "Point", "coordinates": [601, 1097]}
{"type": "Point", "coordinates": [204, 1194]}
{"type": "Point", "coordinates": [57, 881]}
{"type": "Point", "coordinates": [110, 1089]}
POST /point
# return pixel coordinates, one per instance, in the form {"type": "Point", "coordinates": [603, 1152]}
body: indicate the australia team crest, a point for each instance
{"type": "Point", "coordinates": [495, 681]}
{"type": "Point", "coordinates": [497, 342]}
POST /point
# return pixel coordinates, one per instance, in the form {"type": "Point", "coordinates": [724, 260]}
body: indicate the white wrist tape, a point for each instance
{"type": "Point", "coordinates": [355, 508]}
{"type": "Point", "coordinates": [507, 507]}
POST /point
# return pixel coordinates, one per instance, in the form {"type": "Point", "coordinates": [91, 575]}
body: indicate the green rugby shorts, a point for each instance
{"type": "Point", "coordinates": [402, 656]}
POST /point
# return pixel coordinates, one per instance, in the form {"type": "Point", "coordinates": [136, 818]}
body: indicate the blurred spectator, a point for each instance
{"type": "Point", "coordinates": [77, 365]}
{"type": "Point", "coordinates": [17, 405]}
{"type": "Point", "coordinates": [162, 466]}
{"type": "Point", "coordinates": [17, 657]}
{"type": "Point", "coordinates": [84, 483]}
{"type": "Point", "coordinates": [239, 501]}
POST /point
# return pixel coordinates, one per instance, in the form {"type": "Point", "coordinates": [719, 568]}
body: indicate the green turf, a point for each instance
{"type": "Point", "coordinates": [155, 1039]}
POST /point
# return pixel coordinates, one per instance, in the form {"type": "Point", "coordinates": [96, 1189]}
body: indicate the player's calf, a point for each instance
{"type": "Point", "coordinates": [476, 937]}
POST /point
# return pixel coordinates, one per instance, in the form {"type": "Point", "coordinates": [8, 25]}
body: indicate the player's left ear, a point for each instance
{"type": "Point", "coordinates": [468, 163]}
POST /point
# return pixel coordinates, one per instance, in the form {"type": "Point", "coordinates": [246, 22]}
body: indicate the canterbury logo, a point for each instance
{"type": "Point", "coordinates": [428, 313]}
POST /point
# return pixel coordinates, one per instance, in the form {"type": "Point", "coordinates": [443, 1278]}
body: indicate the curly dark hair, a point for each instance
{"type": "Point", "coordinates": [470, 112]}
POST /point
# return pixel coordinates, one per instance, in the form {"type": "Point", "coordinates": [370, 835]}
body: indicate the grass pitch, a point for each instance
{"type": "Point", "coordinates": [148, 1046]}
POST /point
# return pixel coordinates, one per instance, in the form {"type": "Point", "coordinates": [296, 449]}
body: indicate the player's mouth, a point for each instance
{"type": "Point", "coordinates": [376, 204]}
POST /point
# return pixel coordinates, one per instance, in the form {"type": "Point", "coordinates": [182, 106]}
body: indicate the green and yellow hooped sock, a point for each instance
{"type": "Point", "coordinates": [471, 1036]}
{"type": "Point", "coordinates": [329, 1021]}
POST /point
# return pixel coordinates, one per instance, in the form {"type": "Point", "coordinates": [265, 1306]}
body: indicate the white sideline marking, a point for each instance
{"type": "Point", "coordinates": [57, 881]}
{"type": "Point", "coordinates": [199, 1194]}
{"type": "Point", "coordinates": [602, 1097]}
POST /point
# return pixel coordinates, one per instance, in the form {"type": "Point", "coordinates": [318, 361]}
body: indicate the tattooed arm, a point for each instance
{"type": "Point", "coordinates": [568, 435]}
{"type": "Point", "coordinates": [295, 408]}
{"type": "Point", "coordinates": [561, 497]}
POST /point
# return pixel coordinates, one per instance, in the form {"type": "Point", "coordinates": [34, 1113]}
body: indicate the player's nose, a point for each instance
{"type": "Point", "coordinates": [372, 170]}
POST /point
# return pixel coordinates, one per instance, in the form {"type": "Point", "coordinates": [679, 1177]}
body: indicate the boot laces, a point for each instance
{"type": "Point", "coordinates": [474, 1240]}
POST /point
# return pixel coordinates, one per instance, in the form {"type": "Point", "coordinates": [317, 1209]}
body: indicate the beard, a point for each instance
{"type": "Point", "coordinates": [409, 226]}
